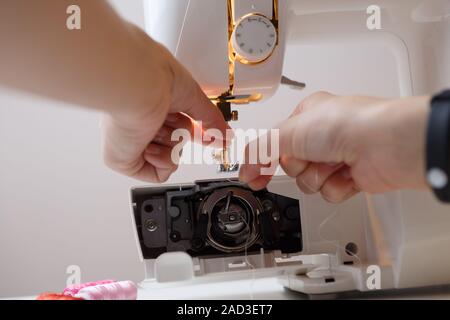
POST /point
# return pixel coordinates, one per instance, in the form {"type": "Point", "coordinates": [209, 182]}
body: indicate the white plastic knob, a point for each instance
{"type": "Point", "coordinates": [174, 266]}
{"type": "Point", "coordinates": [254, 38]}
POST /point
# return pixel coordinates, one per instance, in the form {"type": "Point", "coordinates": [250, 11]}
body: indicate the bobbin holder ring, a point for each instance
{"type": "Point", "coordinates": [215, 218]}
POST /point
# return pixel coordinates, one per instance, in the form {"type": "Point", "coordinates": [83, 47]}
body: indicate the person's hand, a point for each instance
{"type": "Point", "coordinates": [112, 66]}
{"type": "Point", "coordinates": [339, 145]}
{"type": "Point", "coordinates": [137, 142]}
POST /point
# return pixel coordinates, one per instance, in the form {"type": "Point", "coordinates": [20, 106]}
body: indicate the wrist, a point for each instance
{"type": "Point", "coordinates": [149, 83]}
{"type": "Point", "coordinates": [409, 120]}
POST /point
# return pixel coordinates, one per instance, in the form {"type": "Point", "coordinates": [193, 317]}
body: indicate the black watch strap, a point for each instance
{"type": "Point", "coordinates": [438, 146]}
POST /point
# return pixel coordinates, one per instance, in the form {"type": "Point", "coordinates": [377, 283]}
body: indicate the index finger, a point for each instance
{"type": "Point", "coordinates": [285, 145]}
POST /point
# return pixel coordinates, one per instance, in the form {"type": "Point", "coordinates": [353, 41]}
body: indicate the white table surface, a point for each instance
{"type": "Point", "coordinates": [262, 288]}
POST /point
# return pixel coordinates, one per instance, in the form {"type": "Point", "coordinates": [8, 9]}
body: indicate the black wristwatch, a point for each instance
{"type": "Point", "coordinates": [438, 146]}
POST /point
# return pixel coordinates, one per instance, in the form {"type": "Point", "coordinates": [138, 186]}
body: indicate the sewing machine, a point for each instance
{"type": "Point", "coordinates": [240, 51]}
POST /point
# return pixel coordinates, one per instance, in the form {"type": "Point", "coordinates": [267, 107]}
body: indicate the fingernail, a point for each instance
{"type": "Point", "coordinates": [346, 174]}
{"type": "Point", "coordinates": [332, 164]}
{"type": "Point", "coordinates": [172, 118]}
{"type": "Point", "coordinates": [153, 149]}
{"type": "Point", "coordinates": [306, 185]}
{"type": "Point", "coordinates": [242, 177]}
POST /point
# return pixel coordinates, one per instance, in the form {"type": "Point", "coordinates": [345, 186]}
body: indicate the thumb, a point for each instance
{"type": "Point", "coordinates": [298, 137]}
{"type": "Point", "coordinates": [188, 98]}
{"type": "Point", "coordinates": [311, 101]}
{"type": "Point", "coordinates": [288, 143]}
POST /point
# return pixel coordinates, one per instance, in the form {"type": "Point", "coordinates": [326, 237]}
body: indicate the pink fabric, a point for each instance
{"type": "Point", "coordinates": [74, 289]}
{"type": "Point", "coordinates": [123, 290]}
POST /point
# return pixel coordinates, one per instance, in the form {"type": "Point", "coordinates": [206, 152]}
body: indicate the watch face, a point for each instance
{"type": "Point", "coordinates": [254, 38]}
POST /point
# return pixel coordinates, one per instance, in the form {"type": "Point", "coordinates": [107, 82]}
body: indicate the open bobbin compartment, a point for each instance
{"type": "Point", "coordinates": [220, 230]}
{"type": "Point", "coordinates": [221, 225]}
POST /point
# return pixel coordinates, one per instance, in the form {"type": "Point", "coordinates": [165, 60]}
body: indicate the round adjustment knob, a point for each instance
{"type": "Point", "coordinates": [254, 38]}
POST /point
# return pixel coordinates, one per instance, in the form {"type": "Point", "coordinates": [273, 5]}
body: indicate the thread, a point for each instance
{"type": "Point", "coordinates": [74, 289]}
{"type": "Point", "coordinates": [182, 28]}
{"type": "Point", "coordinates": [324, 222]}
{"type": "Point", "coordinates": [337, 245]}
{"type": "Point", "coordinates": [247, 261]}
{"type": "Point", "coordinates": [123, 290]}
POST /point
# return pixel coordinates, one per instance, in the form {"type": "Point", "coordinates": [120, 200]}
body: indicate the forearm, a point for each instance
{"type": "Point", "coordinates": [106, 65]}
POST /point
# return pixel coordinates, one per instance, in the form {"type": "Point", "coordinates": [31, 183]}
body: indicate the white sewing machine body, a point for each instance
{"type": "Point", "coordinates": [328, 45]}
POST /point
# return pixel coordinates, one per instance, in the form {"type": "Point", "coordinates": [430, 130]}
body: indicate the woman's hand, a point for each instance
{"type": "Point", "coordinates": [138, 143]}
{"type": "Point", "coordinates": [340, 145]}
{"type": "Point", "coordinates": [108, 65]}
